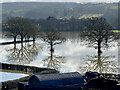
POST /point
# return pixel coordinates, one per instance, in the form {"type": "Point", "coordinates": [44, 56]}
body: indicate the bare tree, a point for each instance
{"type": "Point", "coordinates": [52, 38]}
{"type": "Point", "coordinates": [98, 32]}
{"type": "Point", "coordinates": [12, 27]}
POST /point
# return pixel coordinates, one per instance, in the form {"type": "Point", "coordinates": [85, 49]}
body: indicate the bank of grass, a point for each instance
{"type": "Point", "coordinates": [116, 31]}
{"type": "Point", "coordinates": [15, 89]}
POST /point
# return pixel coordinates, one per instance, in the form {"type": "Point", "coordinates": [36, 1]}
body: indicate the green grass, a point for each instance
{"type": "Point", "coordinates": [116, 30]}
{"type": "Point", "coordinates": [14, 89]}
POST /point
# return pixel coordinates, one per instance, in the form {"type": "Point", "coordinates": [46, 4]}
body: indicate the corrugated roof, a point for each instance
{"type": "Point", "coordinates": [58, 76]}
{"type": "Point", "coordinates": [53, 80]}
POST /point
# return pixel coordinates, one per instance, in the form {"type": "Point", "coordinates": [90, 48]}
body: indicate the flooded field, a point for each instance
{"type": "Point", "coordinates": [6, 76]}
{"type": "Point", "coordinates": [72, 55]}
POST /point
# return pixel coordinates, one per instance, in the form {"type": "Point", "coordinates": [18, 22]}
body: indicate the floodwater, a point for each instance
{"type": "Point", "coordinates": [5, 76]}
{"type": "Point", "coordinates": [72, 55]}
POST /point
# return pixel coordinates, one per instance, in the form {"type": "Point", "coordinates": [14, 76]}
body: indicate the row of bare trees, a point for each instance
{"type": "Point", "coordinates": [26, 29]}
{"type": "Point", "coordinates": [22, 27]}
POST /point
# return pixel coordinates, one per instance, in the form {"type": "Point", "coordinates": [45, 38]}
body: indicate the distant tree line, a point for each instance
{"type": "Point", "coordinates": [62, 25]}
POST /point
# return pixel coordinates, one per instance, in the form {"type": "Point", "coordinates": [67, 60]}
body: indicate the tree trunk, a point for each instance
{"type": "Point", "coordinates": [33, 38]}
{"type": "Point", "coordinates": [99, 47]}
{"type": "Point", "coordinates": [28, 39]}
{"type": "Point", "coordinates": [15, 39]}
{"type": "Point", "coordinates": [99, 56]}
{"type": "Point", "coordinates": [33, 44]}
{"type": "Point", "coordinates": [99, 63]}
{"type": "Point", "coordinates": [51, 50]}
{"type": "Point", "coordinates": [21, 38]}
{"type": "Point", "coordinates": [51, 56]}
{"type": "Point", "coordinates": [14, 46]}
{"type": "Point", "coordinates": [25, 39]}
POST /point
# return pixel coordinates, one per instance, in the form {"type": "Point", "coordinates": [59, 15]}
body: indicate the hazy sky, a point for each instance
{"type": "Point", "coordinates": [78, 1]}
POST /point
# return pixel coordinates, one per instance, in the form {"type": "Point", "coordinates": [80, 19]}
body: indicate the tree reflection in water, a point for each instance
{"type": "Point", "coordinates": [53, 61]}
{"type": "Point", "coordinates": [101, 64]}
{"type": "Point", "coordinates": [23, 54]}
{"type": "Point", "coordinates": [99, 34]}
{"type": "Point", "coordinates": [52, 38]}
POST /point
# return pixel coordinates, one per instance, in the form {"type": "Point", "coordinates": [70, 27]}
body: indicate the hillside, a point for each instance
{"type": "Point", "coordinates": [36, 10]}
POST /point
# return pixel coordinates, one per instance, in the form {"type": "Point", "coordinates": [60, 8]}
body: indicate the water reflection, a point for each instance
{"type": "Point", "coordinates": [99, 38]}
{"type": "Point", "coordinates": [100, 63]}
{"type": "Point", "coordinates": [73, 51]}
{"type": "Point", "coordinates": [53, 61]}
{"type": "Point", "coordinates": [53, 38]}
{"type": "Point", "coordinates": [23, 53]}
